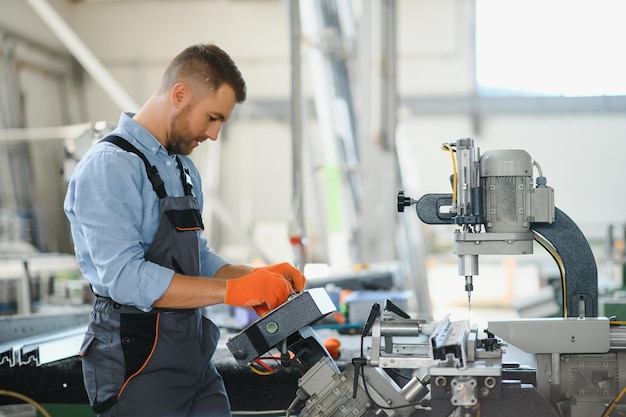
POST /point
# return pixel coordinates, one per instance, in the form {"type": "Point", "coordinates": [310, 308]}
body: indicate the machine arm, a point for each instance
{"type": "Point", "coordinates": [574, 255]}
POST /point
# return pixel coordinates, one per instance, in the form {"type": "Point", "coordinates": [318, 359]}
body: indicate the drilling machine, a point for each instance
{"type": "Point", "coordinates": [499, 212]}
{"type": "Point", "coordinates": [443, 368]}
{"type": "Point", "coordinates": [495, 192]}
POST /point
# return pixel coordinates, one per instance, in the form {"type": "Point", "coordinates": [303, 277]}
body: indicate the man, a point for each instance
{"type": "Point", "coordinates": [134, 204]}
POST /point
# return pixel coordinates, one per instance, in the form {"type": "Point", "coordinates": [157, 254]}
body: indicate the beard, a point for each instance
{"type": "Point", "coordinates": [181, 140]}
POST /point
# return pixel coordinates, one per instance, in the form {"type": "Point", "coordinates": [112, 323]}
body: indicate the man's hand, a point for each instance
{"type": "Point", "coordinates": [260, 288]}
{"type": "Point", "coordinates": [289, 272]}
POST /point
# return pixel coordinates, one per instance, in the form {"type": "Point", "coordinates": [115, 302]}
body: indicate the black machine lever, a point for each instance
{"type": "Point", "coordinates": [390, 306]}
{"type": "Point", "coordinates": [359, 362]}
{"type": "Point", "coordinates": [374, 313]}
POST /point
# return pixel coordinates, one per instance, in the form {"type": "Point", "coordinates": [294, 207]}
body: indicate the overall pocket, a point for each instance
{"type": "Point", "coordinates": [89, 369]}
{"type": "Point", "coordinates": [98, 374]}
{"type": "Point", "coordinates": [138, 335]}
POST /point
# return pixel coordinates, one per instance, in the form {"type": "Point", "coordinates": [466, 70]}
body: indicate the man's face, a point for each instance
{"type": "Point", "coordinates": [200, 119]}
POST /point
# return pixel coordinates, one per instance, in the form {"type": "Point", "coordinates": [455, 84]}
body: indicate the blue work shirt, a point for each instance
{"type": "Point", "coordinates": [114, 216]}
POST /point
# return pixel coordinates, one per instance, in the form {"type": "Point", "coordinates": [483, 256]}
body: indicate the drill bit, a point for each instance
{"type": "Point", "coordinates": [469, 287]}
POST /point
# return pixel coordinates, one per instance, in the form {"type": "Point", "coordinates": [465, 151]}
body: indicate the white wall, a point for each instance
{"type": "Point", "coordinates": [136, 40]}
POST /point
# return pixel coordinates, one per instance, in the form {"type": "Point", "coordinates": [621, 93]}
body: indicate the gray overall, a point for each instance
{"type": "Point", "coordinates": [156, 364]}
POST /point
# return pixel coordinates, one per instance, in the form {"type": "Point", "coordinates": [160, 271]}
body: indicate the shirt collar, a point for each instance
{"type": "Point", "coordinates": [138, 134]}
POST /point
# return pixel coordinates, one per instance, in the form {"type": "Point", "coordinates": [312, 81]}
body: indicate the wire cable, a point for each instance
{"type": "Point", "coordinates": [401, 375]}
{"type": "Point", "coordinates": [539, 170]}
{"type": "Point", "coordinates": [264, 365]}
{"type": "Point", "coordinates": [258, 413]}
{"type": "Point", "coordinates": [611, 406]}
{"type": "Point", "coordinates": [292, 406]}
{"type": "Point", "coordinates": [26, 399]}
{"type": "Point", "coordinates": [259, 372]}
{"type": "Point", "coordinates": [449, 148]}
{"type": "Point", "coordinates": [552, 251]}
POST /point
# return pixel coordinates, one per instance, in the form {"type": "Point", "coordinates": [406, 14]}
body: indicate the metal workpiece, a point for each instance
{"type": "Point", "coordinates": [36, 340]}
{"type": "Point", "coordinates": [50, 348]}
{"type": "Point", "coordinates": [449, 342]}
{"type": "Point", "coordinates": [276, 326]}
{"type": "Point", "coordinates": [556, 335]}
{"type": "Point", "coordinates": [41, 350]}
{"type": "Point", "coordinates": [7, 357]}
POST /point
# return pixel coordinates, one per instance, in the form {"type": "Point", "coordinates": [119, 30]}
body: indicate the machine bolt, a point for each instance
{"type": "Point", "coordinates": [490, 382]}
{"type": "Point", "coordinates": [239, 353]}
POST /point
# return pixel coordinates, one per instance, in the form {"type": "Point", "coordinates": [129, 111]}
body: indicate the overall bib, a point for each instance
{"type": "Point", "coordinates": [159, 363]}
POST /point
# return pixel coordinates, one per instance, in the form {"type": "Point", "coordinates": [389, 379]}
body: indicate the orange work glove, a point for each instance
{"type": "Point", "coordinates": [259, 288]}
{"type": "Point", "coordinates": [289, 272]}
{"type": "Point", "coordinates": [332, 345]}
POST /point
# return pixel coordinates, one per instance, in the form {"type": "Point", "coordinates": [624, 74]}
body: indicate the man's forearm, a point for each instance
{"type": "Point", "coordinates": [233, 271]}
{"type": "Point", "coordinates": [192, 292]}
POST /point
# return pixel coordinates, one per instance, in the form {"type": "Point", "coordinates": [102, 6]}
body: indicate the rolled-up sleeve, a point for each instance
{"type": "Point", "coordinates": [111, 223]}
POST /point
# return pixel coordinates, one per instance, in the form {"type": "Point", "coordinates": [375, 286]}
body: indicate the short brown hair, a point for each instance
{"type": "Point", "coordinates": [207, 64]}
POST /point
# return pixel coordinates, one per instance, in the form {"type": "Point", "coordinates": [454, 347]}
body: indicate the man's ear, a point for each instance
{"type": "Point", "coordinates": [179, 94]}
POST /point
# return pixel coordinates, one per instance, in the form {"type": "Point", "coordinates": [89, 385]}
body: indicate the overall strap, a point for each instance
{"type": "Point", "coordinates": [184, 176]}
{"type": "Point", "coordinates": [153, 173]}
